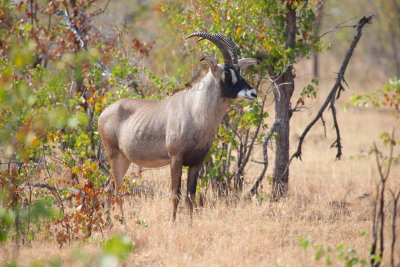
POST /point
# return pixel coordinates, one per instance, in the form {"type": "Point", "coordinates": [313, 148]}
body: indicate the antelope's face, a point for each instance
{"type": "Point", "coordinates": [234, 85]}
{"type": "Point", "coordinates": [228, 74]}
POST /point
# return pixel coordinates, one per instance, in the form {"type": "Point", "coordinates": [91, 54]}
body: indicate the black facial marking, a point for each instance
{"type": "Point", "coordinates": [230, 90]}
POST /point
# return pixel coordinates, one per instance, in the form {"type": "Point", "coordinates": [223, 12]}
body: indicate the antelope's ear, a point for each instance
{"type": "Point", "coordinates": [244, 63]}
{"type": "Point", "coordinates": [213, 64]}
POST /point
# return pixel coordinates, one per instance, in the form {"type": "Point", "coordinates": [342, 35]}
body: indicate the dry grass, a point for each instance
{"type": "Point", "coordinates": [324, 203]}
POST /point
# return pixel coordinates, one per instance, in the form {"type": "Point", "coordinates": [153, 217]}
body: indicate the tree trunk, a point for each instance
{"type": "Point", "coordinates": [283, 112]}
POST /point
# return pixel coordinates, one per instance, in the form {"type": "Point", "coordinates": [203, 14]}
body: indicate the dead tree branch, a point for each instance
{"type": "Point", "coordinates": [335, 94]}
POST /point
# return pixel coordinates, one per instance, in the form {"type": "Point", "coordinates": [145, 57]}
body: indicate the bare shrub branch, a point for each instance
{"type": "Point", "coordinates": [378, 214]}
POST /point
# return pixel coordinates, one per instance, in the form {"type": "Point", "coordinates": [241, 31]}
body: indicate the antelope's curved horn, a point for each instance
{"type": "Point", "coordinates": [212, 37]}
{"type": "Point", "coordinates": [231, 47]}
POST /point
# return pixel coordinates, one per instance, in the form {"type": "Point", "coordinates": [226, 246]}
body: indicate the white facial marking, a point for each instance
{"type": "Point", "coordinates": [249, 94]}
{"type": "Point", "coordinates": [234, 79]}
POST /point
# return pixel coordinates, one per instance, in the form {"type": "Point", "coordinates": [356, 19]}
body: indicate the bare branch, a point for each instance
{"type": "Point", "coordinates": [338, 26]}
{"type": "Point", "coordinates": [324, 125]}
{"type": "Point", "coordinates": [265, 153]}
{"type": "Point", "coordinates": [392, 143]}
{"type": "Point", "coordinates": [235, 132]}
{"type": "Point", "coordinates": [331, 97]}
{"type": "Point", "coordinates": [103, 10]}
{"type": "Point", "coordinates": [246, 159]}
{"type": "Point", "coordinates": [396, 197]}
{"type": "Point", "coordinates": [73, 28]}
{"type": "Point", "coordinates": [52, 188]}
{"type": "Point", "coordinates": [55, 192]}
{"type": "Point", "coordinates": [337, 142]}
{"type": "Point", "coordinates": [75, 31]}
{"type": "Point", "coordinates": [375, 223]}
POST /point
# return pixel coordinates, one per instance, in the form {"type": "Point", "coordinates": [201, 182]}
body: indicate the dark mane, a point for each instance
{"type": "Point", "coordinates": [189, 85]}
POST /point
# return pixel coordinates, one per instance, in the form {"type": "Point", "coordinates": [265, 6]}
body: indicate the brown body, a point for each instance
{"type": "Point", "coordinates": [177, 131]}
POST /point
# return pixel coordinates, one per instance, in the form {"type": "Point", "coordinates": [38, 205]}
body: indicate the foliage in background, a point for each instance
{"type": "Point", "coordinates": [52, 91]}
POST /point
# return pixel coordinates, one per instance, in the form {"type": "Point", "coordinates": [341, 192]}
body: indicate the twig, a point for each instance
{"type": "Point", "coordinates": [235, 132]}
{"type": "Point", "coordinates": [265, 153]}
{"type": "Point", "coordinates": [246, 159]}
{"type": "Point", "coordinates": [324, 125]}
{"type": "Point", "coordinates": [103, 10]}
{"type": "Point", "coordinates": [395, 197]}
{"type": "Point", "coordinates": [56, 191]}
{"type": "Point", "coordinates": [337, 143]}
{"type": "Point", "coordinates": [273, 81]}
{"type": "Point", "coordinates": [73, 28]}
{"type": "Point", "coordinates": [104, 70]}
{"type": "Point", "coordinates": [338, 26]}
{"type": "Point", "coordinates": [375, 222]}
{"type": "Point", "coordinates": [245, 155]}
{"type": "Point", "coordinates": [72, 190]}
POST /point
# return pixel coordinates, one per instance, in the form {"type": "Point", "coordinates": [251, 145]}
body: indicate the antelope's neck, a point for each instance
{"type": "Point", "coordinates": [208, 106]}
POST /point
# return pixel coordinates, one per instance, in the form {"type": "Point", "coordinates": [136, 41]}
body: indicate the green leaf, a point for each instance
{"type": "Point", "coordinates": [320, 252]}
{"type": "Point", "coordinates": [304, 242]}
{"type": "Point", "coordinates": [328, 260]}
{"type": "Point", "coordinates": [118, 246]}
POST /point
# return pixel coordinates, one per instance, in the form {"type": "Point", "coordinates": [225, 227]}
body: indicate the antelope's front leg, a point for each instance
{"type": "Point", "coordinates": [176, 174]}
{"type": "Point", "coordinates": [191, 187]}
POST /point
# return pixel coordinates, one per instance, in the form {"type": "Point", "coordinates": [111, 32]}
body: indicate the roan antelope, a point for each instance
{"type": "Point", "coordinates": [178, 130]}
